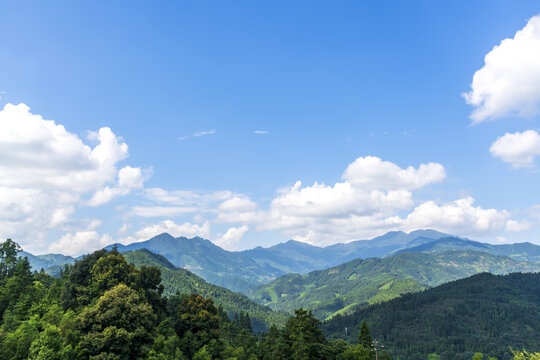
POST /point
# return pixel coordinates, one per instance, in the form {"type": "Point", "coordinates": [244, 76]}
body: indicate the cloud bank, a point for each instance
{"type": "Point", "coordinates": [47, 171]}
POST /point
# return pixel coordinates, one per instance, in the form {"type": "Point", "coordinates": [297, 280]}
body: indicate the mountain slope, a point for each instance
{"type": "Point", "coordinates": [518, 251]}
{"type": "Point", "coordinates": [298, 257]}
{"type": "Point", "coordinates": [51, 263]}
{"type": "Point", "coordinates": [216, 265]}
{"type": "Point", "coordinates": [483, 313]}
{"type": "Point", "coordinates": [361, 282]}
{"type": "Point", "coordinates": [176, 280]}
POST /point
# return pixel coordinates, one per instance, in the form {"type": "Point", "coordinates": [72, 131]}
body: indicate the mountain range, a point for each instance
{"type": "Point", "coordinates": [362, 282]}
{"type": "Point", "coordinates": [243, 270]}
{"type": "Point", "coordinates": [51, 263]}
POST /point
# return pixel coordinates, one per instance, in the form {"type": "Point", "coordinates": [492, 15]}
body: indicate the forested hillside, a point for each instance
{"type": "Point", "coordinates": [518, 251]}
{"type": "Point", "coordinates": [362, 282]}
{"type": "Point", "coordinates": [485, 313]}
{"type": "Point", "coordinates": [214, 264]}
{"type": "Point", "coordinates": [176, 280]}
{"type": "Point", "coordinates": [102, 307]}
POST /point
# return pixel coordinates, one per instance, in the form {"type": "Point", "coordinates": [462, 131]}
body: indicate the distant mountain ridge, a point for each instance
{"type": "Point", "coordinates": [50, 263]}
{"type": "Point", "coordinates": [298, 257]}
{"type": "Point", "coordinates": [518, 251]}
{"type": "Point", "coordinates": [209, 261]}
{"type": "Point", "coordinates": [242, 270]}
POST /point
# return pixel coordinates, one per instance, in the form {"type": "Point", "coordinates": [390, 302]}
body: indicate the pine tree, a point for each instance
{"type": "Point", "coordinates": [364, 338]}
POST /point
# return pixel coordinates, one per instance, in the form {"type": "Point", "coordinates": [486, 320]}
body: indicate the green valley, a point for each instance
{"type": "Point", "coordinates": [362, 282]}
{"type": "Point", "coordinates": [180, 281]}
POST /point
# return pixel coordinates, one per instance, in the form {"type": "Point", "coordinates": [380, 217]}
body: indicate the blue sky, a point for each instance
{"type": "Point", "coordinates": [215, 111]}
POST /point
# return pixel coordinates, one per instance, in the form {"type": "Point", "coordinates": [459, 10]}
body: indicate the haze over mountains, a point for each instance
{"type": "Point", "coordinates": [242, 270]}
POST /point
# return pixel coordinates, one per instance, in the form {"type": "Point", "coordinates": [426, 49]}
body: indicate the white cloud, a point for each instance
{"type": "Point", "coordinates": [261, 132]}
{"type": "Point", "coordinates": [339, 200]}
{"type": "Point", "coordinates": [518, 149]}
{"type": "Point", "coordinates": [179, 202]}
{"type": "Point", "coordinates": [198, 134]}
{"type": "Point", "coordinates": [40, 153]}
{"type": "Point", "coordinates": [371, 172]}
{"type": "Point", "coordinates": [371, 186]}
{"type": "Point", "coordinates": [79, 243]}
{"type": "Point", "coordinates": [129, 178]}
{"type": "Point", "coordinates": [375, 197]}
{"type": "Point", "coordinates": [46, 171]}
{"type": "Point", "coordinates": [502, 240]}
{"type": "Point", "coordinates": [509, 81]}
{"type": "Point", "coordinates": [124, 229]}
{"type": "Point", "coordinates": [237, 203]}
{"type": "Point", "coordinates": [517, 226]}
{"type": "Point", "coordinates": [231, 237]}
{"type": "Point", "coordinates": [186, 197]}
{"type": "Point", "coordinates": [186, 229]}
{"type": "Point", "coordinates": [457, 217]}
{"type": "Point", "coordinates": [161, 211]}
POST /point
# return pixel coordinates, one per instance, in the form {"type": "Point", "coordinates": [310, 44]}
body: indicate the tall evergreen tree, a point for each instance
{"type": "Point", "coordinates": [364, 338]}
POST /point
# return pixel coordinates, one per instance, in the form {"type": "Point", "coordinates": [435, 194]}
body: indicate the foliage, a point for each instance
{"type": "Point", "coordinates": [524, 355]}
{"type": "Point", "coordinates": [176, 280]}
{"type": "Point", "coordinates": [103, 307]}
{"type": "Point", "coordinates": [340, 289]}
{"type": "Point", "coordinates": [485, 313]}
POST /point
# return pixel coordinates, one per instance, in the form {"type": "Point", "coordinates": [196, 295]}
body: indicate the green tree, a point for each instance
{"type": "Point", "coordinates": [196, 322]}
{"type": "Point", "coordinates": [478, 356]}
{"type": "Point", "coordinates": [9, 250]}
{"type": "Point", "coordinates": [305, 336]}
{"type": "Point", "coordinates": [357, 352]}
{"type": "Point", "coordinates": [364, 338]}
{"type": "Point", "coordinates": [120, 325]}
{"type": "Point", "coordinates": [49, 345]}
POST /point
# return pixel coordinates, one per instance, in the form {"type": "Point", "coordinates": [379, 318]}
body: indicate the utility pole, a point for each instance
{"type": "Point", "coordinates": [375, 346]}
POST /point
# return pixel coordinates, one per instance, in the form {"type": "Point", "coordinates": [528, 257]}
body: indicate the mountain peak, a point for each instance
{"type": "Point", "coordinates": [162, 236]}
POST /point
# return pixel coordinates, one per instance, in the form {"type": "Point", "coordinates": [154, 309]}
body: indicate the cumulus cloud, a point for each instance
{"type": "Point", "coordinates": [79, 243]}
{"type": "Point", "coordinates": [46, 170]}
{"type": "Point", "coordinates": [517, 226]}
{"type": "Point", "coordinates": [518, 149]}
{"type": "Point", "coordinates": [129, 178]}
{"type": "Point", "coordinates": [371, 172]}
{"type": "Point", "coordinates": [231, 237]}
{"type": "Point", "coordinates": [376, 196]}
{"type": "Point", "coordinates": [509, 81]}
{"type": "Point", "coordinates": [237, 203]}
{"type": "Point", "coordinates": [372, 187]}
{"type": "Point", "coordinates": [186, 229]}
{"type": "Point", "coordinates": [457, 217]}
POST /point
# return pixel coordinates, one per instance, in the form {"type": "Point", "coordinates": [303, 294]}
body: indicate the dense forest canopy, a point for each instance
{"type": "Point", "coordinates": [104, 307]}
{"type": "Point", "coordinates": [485, 313]}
